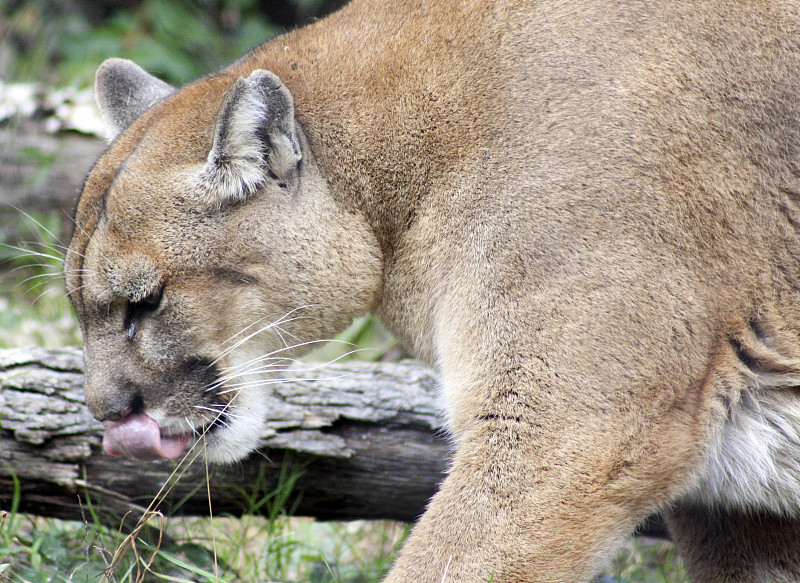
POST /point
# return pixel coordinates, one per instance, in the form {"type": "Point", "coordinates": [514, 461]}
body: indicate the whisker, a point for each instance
{"type": "Point", "coordinates": [280, 335]}
{"type": "Point", "coordinates": [245, 384]}
{"type": "Point", "coordinates": [282, 320]}
{"type": "Point", "coordinates": [262, 362]}
{"type": "Point", "coordinates": [35, 221]}
{"type": "Point", "coordinates": [25, 252]}
{"type": "Point", "coordinates": [89, 239]}
{"type": "Point", "coordinates": [191, 426]}
{"type": "Point", "coordinates": [53, 245]}
{"type": "Point", "coordinates": [245, 329]}
{"type": "Point", "coordinates": [241, 341]}
{"type": "Point", "coordinates": [49, 276]}
{"type": "Point", "coordinates": [44, 293]}
{"type": "Point", "coordinates": [294, 336]}
{"type": "Point", "coordinates": [267, 382]}
{"type": "Point", "coordinates": [231, 373]}
{"type": "Point", "coordinates": [79, 288]}
{"type": "Point", "coordinates": [218, 419]}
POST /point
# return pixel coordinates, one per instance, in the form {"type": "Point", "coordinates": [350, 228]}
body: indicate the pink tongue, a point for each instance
{"type": "Point", "coordinates": [140, 437]}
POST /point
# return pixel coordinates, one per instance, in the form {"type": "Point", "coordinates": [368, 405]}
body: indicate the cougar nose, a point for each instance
{"type": "Point", "coordinates": [114, 404]}
{"type": "Point", "coordinates": [136, 407]}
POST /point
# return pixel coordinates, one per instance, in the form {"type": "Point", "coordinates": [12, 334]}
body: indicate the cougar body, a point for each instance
{"type": "Point", "coordinates": [584, 215]}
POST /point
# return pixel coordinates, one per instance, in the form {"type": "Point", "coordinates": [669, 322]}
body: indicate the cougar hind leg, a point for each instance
{"type": "Point", "coordinates": [722, 545]}
{"type": "Point", "coordinates": [741, 520]}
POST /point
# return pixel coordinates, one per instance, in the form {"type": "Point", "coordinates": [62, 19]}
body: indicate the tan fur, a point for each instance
{"type": "Point", "coordinates": [583, 214]}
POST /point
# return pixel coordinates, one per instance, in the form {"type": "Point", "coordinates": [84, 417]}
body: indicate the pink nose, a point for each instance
{"type": "Point", "coordinates": [139, 436]}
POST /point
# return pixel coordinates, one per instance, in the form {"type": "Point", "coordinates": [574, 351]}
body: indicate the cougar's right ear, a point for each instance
{"type": "Point", "coordinates": [124, 91]}
{"type": "Point", "coordinates": [255, 139]}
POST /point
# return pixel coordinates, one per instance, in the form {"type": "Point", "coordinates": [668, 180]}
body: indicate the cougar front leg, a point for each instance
{"type": "Point", "coordinates": [725, 546]}
{"type": "Point", "coordinates": [522, 505]}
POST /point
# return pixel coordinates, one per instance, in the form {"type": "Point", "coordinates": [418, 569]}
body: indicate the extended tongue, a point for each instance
{"type": "Point", "coordinates": [140, 437]}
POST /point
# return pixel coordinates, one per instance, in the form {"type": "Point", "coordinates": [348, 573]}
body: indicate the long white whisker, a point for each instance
{"type": "Point", "coordinates": [238, 369]}
{"type": "Point", "coordinates": [278, 321]}
{"type": "Point", "coordinates": [247, 368]}
{"type": "Point", "coordinates": [35, 221]}
{"type": "Point", "coordinates": [79, 288]}
{"type": "Point", "coordinates": [26, 265]}
{"type": "Point", "coordinates": [275, 380]}
{"type": "Point", "coordinates": [233, 372]}
{"type": "Point", "coordinates": [241, 341]}
{"type": "Point", "coordinates": [191, 426]}
{"type": "Point", "coordinates": [275, 370]}
{"type": "Point", "coordinates": [49, 276]}
{"type": "Point", "coordinates": [89, 239]}
{"type": "Point", "coordinates": [293, 336]}
{"type": "Point", "coordinates": [271, 355]}
{"type": "Point", "coordinates": [53, 245]}
{"type": "Point", "coordinates": [217, 415]}
{"type": "Point", "coordinates": [44, 293]}
{"type": "Point", "coordinates": [243, 330]}
{"type": "Point", "coordinates": [279, 335]}
{"type": "Point", "coordinates": [267, 382]}
{"type": "Point", "coordinates": [25, 252]}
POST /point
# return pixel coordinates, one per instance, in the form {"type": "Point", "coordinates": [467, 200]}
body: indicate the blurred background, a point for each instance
{"type": "Point", "coordinates": [61, 42]}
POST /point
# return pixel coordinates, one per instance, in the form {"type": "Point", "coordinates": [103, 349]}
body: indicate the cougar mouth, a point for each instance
{"type": "Point", "coordinates": [139, 436]}
{"type": "Point", "coordinates": [152, 437]}
{"type": "Point", "coordinates": [226, 419]}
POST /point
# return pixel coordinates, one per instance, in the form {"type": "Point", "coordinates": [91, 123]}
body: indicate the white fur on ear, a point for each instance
{"type": "Point", "coordinates": [255, 135]}
{"type": "Point", "coordinates": [124, 91]}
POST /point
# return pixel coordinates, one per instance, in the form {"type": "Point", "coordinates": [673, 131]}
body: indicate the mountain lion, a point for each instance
{"type": "Point", "coordinates": [584, 215]}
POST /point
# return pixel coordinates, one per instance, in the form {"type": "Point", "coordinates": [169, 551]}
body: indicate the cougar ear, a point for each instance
{"type": "Point", "coordinates": [255, 139]}
{"type": "Point", "coordinates": [124, 91]}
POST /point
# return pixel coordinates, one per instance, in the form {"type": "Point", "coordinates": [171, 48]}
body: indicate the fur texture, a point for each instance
{"type": "Point", "coordinates": [124, 91]}
{"type": "Point", "coordinates": [583, 214]}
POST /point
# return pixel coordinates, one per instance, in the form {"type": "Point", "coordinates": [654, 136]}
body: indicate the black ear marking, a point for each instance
{"type": "Point", "coordinates": [255, 140]}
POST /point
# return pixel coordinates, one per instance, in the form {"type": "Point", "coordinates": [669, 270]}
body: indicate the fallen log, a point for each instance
{"type": "Point", "coordinates": [363, 440]}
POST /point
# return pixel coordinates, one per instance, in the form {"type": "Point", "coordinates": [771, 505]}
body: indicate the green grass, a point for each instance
{"type": "Point", "coordinates": [264, 545]}
{"type": "Point", "coordinates": [52, 41]}
{"type": "Point", "coordinates": [643, 560]}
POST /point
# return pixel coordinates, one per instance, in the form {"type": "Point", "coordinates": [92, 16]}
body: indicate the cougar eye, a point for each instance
{"type": "Point", "coordinates": [136, 310]}
{"type": "Point", "coordinates": [153, 300]}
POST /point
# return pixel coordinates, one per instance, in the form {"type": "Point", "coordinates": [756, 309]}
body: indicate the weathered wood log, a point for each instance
{"type": "Point", "coordinates": [365, 439]}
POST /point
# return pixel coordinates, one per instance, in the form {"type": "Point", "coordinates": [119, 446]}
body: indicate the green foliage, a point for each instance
{"type": "Point", "coordinates": [647, 561]}
{"type": "Point", "coordinates": [34, 309]}
{"type": "Point", "coordinates": [265, 544]}
{"type": "Point", "coordinates": [51, 41]}
{"type": "Point", "coordinates": [365, 339]}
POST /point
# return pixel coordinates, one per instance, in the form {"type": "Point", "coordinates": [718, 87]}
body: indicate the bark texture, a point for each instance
{"type": "Point", "coordinates": [365, 439]}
